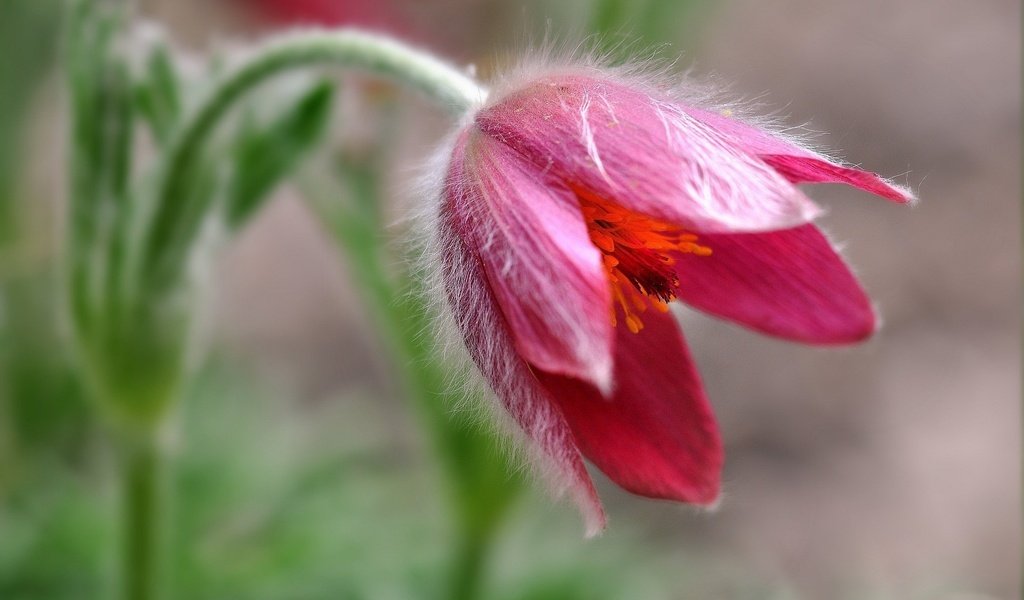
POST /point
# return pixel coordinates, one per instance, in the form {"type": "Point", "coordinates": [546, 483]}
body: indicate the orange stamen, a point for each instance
{"type": "Point", "coordinates": [637, 256]}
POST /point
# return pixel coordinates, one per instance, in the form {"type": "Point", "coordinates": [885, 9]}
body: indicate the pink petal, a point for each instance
{"type": "Point", "coordinates": [656, 436]}
{"type": "Point", "coordinates": [797, 164]}
{"type": "Point", "coordinates": [546, 275]}
{"type": "Point", "coordinates": [490, 345]}
{"type": "Point", "coordinates": [788, 283]}
{"type": "Point", "coordinates": [644, 153]}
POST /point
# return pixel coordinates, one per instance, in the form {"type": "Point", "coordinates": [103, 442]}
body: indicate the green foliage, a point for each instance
{"type": "Point", "coordinates": [274, 499]}
{"type": "Point", "coordinates": [158, 94]}
{"type": "Point", "coordinates": [56, 538]}
{"type": "Point", "coordinates": [264, 155]}
{"type": "Point", "coordinates": [42, 412]}
{"type": "Point", "coordinates": [314, 503]}
{"type": "Point", "coordinates": [46, 409]}
{"type": "Point", "coordinates": [131, 339]}
{"type": "Point", "coordinates": [623, 27]}
{"type": "Point", "coordinates": [28, 29]}
{"type": "Point", "coordinates": [131, 306]}
{"type": "Point", "coordinates": [102, 117]}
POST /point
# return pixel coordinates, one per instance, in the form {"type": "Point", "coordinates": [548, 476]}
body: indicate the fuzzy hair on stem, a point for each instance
{"type": "Point", "coordinates": [348, 48]}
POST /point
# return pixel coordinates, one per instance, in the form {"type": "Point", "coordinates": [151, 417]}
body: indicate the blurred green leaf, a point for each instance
{"type": "Point", "coordinates": [199, 184]}
{"type": "Point", "coordinates": [56, 538]}
{"type": "Point", "coordinates": [264, 155]}
{"type": "Point", "coordinates": [28, 32]}
{"type": "Point", "coordinates": [43, 416]}
{"type": "Point", "coordinates": [102, 115]}
{"type": "Point", "coordinates": [314, 502]}
{"type": "Point", "coordinates": [624, 27]}
{"type": "Point", "coordinates": [158, 94]}
{"type": "Point", "coordinates": [47, 410]}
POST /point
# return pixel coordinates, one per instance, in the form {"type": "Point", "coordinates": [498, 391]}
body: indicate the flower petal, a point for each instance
{"type": "Point", "coordinates": [656, 436]}
{"type": "Point", "coordinates": [490, 345]}
{"type": "Point", "coordinates": [530, 238]}
{"type": "Point", "coordinates": [797, 164]}
{"type": "Point", "coordinates": [788, 283]}
{"type": "Point", "coordinates": [644, 153]}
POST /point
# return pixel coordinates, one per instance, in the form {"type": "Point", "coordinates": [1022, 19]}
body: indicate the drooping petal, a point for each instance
{"type": "Point", "coordinates": [489, 342]}
{"type": "Point", "coordinates": [530, 238]}
{"type": "Point", "coordinates": [656, 436]}
{"type": "Point", "coordinates": [797, 164]}
{"type": "Point", "coordinates": [620, 144]}
{"type": "Point", "coordinates": [789, 283]}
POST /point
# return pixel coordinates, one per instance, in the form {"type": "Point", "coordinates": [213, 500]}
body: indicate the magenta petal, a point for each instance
{"type": "Point", "coordinates": [530, 238]}
{"type": "Point", "coordinates": [799, 165]}
{"type": "Point", "coordinates": [485, 332]}
{"type": "Point", "coordinates": [788, 283]}
{"type": "Point", "coordinates": [809, 169]}
{"type": "Point", "coordinates": [656, 436]}
{"type": "Point", "coordinates": [644, 153]}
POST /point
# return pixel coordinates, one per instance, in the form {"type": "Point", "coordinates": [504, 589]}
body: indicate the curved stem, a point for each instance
{"type": "Point", "coordinates": [341, 48]}
{"type": "Point", "coordinates": [468, 565]}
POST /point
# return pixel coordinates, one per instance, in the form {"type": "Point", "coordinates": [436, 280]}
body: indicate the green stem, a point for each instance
{"type": "Point", "coordinates": [468, 566]}
{"type": "Point", "coordinates": [142, 517]}
{"type": "Point", "coordinates": [341, 48]}
{"type": "Point", "coordinates": [481, 490]}
{"type": "Point", "coordinates": [481, 483]}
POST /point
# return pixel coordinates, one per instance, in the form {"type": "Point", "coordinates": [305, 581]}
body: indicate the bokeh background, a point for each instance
{"type": "Point", "coordinates": [889, 470]}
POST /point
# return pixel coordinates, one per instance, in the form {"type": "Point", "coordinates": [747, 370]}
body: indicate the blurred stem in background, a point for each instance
{"type": "Point", "coordinates": [28, 28]}
{"type": "Point", "coordinates": [130, 345]}
{"type": "Point", "coordinates": [143, 500]}
{"type": "Point", "coordinates": [482, 483]}
{"type": "Point", "coordinates": [41, 410]}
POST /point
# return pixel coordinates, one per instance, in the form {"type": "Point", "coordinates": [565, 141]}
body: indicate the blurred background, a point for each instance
{"type": "Point", "coordinates": [886, 471]}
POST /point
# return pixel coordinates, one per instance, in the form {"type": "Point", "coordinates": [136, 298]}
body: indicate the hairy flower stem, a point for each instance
{"type": "Point", "coordinates": [351, 49]}
{"type": "Point", "coordinates": [468, 567]}
{"type": "Point", "coordinates": [143, 499]}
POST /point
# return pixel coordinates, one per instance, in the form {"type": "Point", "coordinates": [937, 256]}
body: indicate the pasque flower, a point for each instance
{"type": "Point", "coordinates": [576, 206]}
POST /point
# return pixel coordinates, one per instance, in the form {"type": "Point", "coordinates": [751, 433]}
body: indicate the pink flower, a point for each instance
{"type": "Point", "coordinates": [575, 208]}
